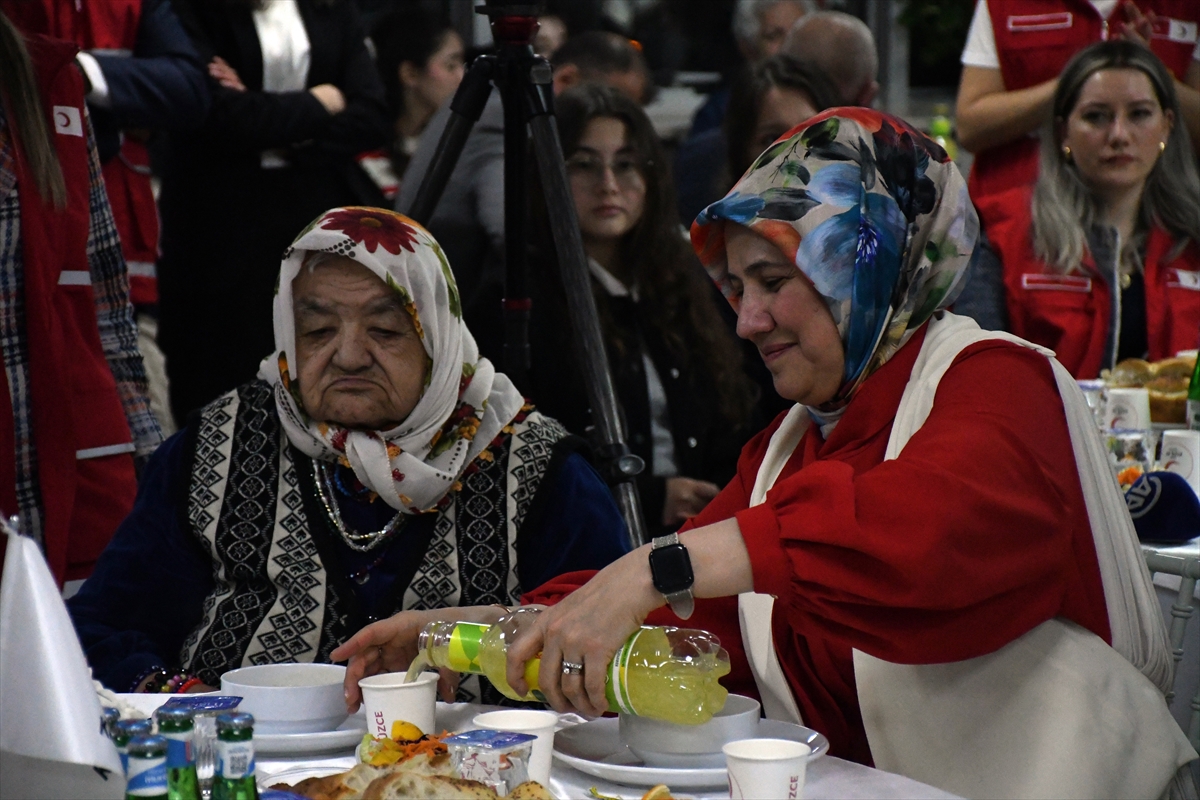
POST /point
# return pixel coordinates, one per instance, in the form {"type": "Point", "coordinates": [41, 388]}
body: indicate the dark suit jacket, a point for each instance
{"type": "Point", "coordinates": [706, 444]}
{"type": "Point", "coordinates": [226, 219]}
{"type": "Point", "coordinates": [163, 84]}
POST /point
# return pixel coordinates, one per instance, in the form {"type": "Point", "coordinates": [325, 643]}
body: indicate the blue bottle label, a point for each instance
{"type": "Point", "coordinates": [179, 750]}
{"type": "Point", "coordinates": [235, 759]}
{"type": "Point", "coordinates": [147, 777]}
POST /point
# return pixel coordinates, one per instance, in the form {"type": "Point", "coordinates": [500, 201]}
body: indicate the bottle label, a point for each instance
{"type": "Point", "coordinates": [235, 760]}
{"type": "Point", "coordinates": [179, 750]}
{"type": "Point", "coordinates": [465, 647]}
{"type": "Point", "coordinates": [618, 678]}
{"type": "Point", "coordinates": [147, 777]}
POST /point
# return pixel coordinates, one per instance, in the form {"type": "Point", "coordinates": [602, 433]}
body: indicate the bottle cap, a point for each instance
{"type": "Point", "coordinates": [133, 727]}
{"type": "Point", "coordinates": [237, 721]}
{"type": "Point", "coordinates": [175, 716]}
{"type": "Point", "coordinates": [148, 746]}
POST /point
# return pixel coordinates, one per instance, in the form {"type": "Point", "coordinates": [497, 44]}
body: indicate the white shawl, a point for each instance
{"type": "Point", "coordinates": [1057, 713]}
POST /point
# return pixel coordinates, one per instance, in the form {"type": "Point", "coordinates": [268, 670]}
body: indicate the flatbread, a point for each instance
{"type": "Point", "coordinates": [402, 785]}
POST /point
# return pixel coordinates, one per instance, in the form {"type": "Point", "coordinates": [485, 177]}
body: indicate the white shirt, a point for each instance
{"type": "Point", "coordinates": [980, 50]}
{"type": "Point", "coordinates": [284, 43]}
{"type": "Point", "coordinates": [286, 54]}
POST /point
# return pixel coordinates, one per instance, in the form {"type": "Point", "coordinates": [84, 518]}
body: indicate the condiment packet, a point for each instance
{"type": "Point", "coordinates": [499, 759]}
{"type": "Point", "coordinates": [204, 703]}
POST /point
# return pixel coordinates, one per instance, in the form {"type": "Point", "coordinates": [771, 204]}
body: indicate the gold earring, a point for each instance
{"type": "Point", "coordinates": [1162, 147]}
{"type": "Point", "coordinates": [1066, 151]}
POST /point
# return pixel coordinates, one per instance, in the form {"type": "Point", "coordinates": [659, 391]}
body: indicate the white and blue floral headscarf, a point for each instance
{"type": "Point", "coordinates": [872, 212]}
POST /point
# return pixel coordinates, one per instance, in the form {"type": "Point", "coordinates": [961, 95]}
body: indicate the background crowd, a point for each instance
{"type": "Point", "coordinates": [218, 129]}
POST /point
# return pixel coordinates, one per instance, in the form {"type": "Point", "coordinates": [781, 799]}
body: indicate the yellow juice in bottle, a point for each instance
{"type": "Point", "coordinates": [665, 673]}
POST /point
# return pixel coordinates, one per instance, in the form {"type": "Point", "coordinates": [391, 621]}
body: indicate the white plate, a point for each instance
{"type": "Point", "coordinates": [345, 737]}
{"type": "Point", "coordinates": [296, 774]}
{"type": "Point", "coordinates": [595, 748]}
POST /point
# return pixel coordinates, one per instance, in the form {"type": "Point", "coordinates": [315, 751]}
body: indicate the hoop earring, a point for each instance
{"type": "Point", "coordinates": [1066, 151]}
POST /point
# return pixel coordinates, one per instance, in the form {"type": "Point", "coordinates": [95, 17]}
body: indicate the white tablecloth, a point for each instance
{"type": "Point", "coordinates": [827, 776]}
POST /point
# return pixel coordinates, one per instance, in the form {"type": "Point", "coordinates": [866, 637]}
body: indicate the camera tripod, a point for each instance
{"type": "Point", "coordinates": [525, 84]}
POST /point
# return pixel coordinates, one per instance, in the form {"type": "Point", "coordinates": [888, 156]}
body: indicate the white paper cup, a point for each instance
{"type": "Point", "coordinates": [1127, 409]}
{"type": "Point", "coordinates": [387, 699]}
{"type": "Point", "coordinates": [526, 720]}
{"type": "Point", "coordinates": [1181, 455]}
{"type": "Point", "coordinates": [766, 769]}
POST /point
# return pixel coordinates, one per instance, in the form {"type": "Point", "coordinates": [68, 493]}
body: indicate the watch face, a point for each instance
{"type": "Point", "coordinates": [671, 568]}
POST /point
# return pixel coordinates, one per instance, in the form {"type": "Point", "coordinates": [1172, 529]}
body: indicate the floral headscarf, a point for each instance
{"type": "Point", "coordinates": [465, 403]}
{"type": "Point", "coordinates": [873, 213]}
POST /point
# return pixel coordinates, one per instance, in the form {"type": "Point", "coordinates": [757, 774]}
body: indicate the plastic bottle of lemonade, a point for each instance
{"type": "Point", "coordinates": [665, 673]}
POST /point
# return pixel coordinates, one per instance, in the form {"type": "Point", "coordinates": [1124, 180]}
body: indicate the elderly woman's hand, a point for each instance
{"type": "Point", "coordinates": [586, 627]}
{"type": "Point", "coordinates": [390, 645]}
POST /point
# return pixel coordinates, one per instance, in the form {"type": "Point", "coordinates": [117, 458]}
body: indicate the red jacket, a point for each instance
{"type": "Point", "coordinates": [110, 25]}
{"type": "Point", "coordinates": [1070, 313]}
{"type": "Point", "coordinates": [1034, 40]}
{"type": "Point", "coordinates": [80, 430]}
{"type": "Point", "coordinates": [977, 533]}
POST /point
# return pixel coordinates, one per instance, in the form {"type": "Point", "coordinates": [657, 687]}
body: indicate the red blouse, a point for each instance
{"type": "Point", "coordinates": [976, 534]}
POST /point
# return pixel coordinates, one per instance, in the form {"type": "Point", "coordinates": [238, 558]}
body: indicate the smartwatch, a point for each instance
{"type": "Point", "coordinates": [671, 570]}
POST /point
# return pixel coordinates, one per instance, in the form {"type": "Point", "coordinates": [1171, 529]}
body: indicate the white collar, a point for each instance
{"type": "Point", "coordinates": [611, 283]}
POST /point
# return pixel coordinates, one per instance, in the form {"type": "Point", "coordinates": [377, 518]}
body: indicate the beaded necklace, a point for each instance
{"type": "Point", "coordinates": [362, 542]}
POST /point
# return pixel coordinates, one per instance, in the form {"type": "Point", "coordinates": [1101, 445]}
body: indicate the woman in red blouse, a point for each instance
{"type": "Point", "coordinates": [915, 539]}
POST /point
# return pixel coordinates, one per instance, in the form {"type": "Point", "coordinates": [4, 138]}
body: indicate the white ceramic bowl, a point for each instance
{"type": "Point", "coordinates": [665, 744]}
{"type": "Point", "coordinates": [290, 698]}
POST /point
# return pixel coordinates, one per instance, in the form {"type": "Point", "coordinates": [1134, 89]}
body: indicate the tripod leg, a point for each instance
{"type": "Point", "coordinates": [516, 147]}
{"type": "Point", "coordinates": [568, 244]}
{"type": "Point", "coordinates": [465, 110]}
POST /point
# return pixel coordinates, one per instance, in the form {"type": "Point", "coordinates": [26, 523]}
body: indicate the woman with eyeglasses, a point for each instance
{"type": "Point", "coordinates": [687, 403]}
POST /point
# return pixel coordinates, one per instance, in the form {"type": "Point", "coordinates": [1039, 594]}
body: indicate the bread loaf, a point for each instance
{"type": "Point", "coordinates": [398, 785]}
{"type": "Point", "coordinates": [1166, 382]}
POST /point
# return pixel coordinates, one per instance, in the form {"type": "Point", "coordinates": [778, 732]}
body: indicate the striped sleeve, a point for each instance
{"type": "Point", "coordinates": [114, 311]}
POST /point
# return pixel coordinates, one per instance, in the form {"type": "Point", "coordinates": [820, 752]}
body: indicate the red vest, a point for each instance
{"type": "Point", "coordinates": [1034, 40]}
{"type": "Point", "coordinates": [108, 25]}
{"type": "Point", "coordinates": [76, 409]}
{"type": "Point", "coordinates": [1070, 313]}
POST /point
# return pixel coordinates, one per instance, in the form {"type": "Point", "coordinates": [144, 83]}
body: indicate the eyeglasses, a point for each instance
{"type": "Point", "coordinates": [628, 171]}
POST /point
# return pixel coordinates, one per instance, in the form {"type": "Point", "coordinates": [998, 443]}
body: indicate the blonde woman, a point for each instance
{"type": "Point", "coordinates": [1101, 258]}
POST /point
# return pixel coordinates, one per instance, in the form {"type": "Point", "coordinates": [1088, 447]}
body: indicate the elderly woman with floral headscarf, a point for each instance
{"type": "Point", "coordinates": [936, 493]}
{"type": "Point", "coordinates": [378, 464]}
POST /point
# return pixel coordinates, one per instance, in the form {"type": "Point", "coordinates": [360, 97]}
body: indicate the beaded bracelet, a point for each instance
{"type": "Point", "coordinates": [158, 672]}
{"type": "Point", "coordinates": [188, 684]}
{"type": "Point", "coordinates": [174, 682]}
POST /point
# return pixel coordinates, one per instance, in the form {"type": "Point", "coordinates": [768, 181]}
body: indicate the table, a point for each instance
{"type": "Point", "coordinates": [827, 776]}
